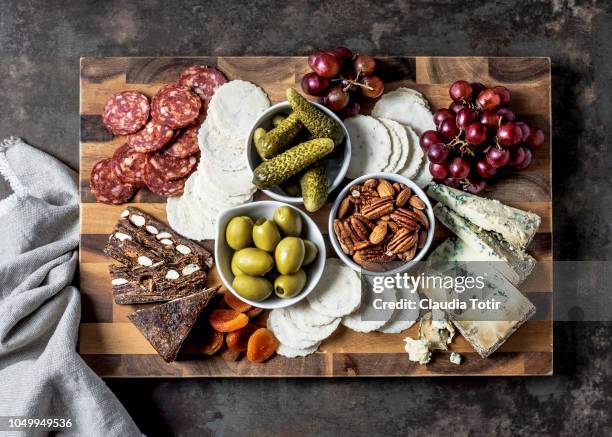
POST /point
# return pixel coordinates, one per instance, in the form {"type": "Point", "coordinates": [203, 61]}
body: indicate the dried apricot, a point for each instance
{"type": "Point", "coordinates": [227, 320]}
{"type": "Point", "coordinates": [236, 304]}
{"type": "Point", "coordinates": [213, 342]}
{"type": "Point", "coordinates": [262, 344]}
{"type": "Point", "coordinates": [253, 312]}
{"type": "Point", "coordinates": [238, 340]}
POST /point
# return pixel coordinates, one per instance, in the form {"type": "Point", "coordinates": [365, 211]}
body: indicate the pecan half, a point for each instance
{"type": "Point", "coordinates": [409, 254]}
{"type": "Point", "coordinates": [417, 215]}
{"type": "Point", "coordinates": [359, 228]}
{"type": "Point", "coordinates": [378, 209]}
{"type": "Point", "coordinates": [402, 241]}
{"type": "Point", "coordinates": [405, 220]}
{"type": "Point", "coordinates": [364, 220]}
{"type": "Point", "coordinates": [344, 240]}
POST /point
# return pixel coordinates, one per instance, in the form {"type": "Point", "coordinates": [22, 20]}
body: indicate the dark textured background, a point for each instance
{"type": "Point", "coordinates": [40, 45]}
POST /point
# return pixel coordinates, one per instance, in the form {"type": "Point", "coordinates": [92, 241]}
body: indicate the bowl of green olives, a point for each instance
{"type": "Point", "coordinates": [268, 254]}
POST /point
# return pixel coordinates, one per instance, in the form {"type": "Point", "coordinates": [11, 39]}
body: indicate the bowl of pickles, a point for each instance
{"type": "Point", "coordinates": [268, 254]}
{"type": "Point", "coordinates": [299, 151]}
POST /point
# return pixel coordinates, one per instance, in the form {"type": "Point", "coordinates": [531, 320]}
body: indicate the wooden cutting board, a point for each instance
{"type": "Point", "coordinates": [113, 347]}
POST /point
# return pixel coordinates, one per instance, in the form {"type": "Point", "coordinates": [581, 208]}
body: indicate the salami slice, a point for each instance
{"type": "Point", "coordinates": [186, 143]}
{"type": "Point", "coordinates": [126, 112]}
{"type": "Point", "coordinates": [158, 185]}
{"type": "Point", "coordinates": [150, 138]}
{"type": "Point", "coordinates": [203, 80]}
{"type": "Point", "coordinates": [129, 165]}
{"type": "Point", "coordinates": [175, 106]}
{"type": "Point", "coordinates": [106, 186]}
{"type": "Point", "coordinates": [170, 167]}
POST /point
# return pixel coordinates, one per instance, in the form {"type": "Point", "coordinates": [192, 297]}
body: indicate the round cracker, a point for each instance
{"type": "Point", "coordinates": [310, 332]}
{"type": "Point", "coordinates": [237, 183]}
{"type": "Point", "coordinates": [400, 143]}
{"type": "Point", "coordinates": [291, 352]}
{"type": "Point", "coordinates": [212, 196]}
{"type": "Point", "coordinates": [370, 143]}
{"type": "Point", "coordinates": [304, 316]}
{"type": "Point", "coordinates": [402, 319]}
{"type": "Point", "coordinates": [415, 155]}
{"type": "Point", "coordinates": [235, 106]}
{"type": "Point", "coordinates": [416, 94]}
{"type": "Point", "coordinates": [356, 322]}
{"type": "Point", "coordinates": [286, 332]}
{"type": "Point", "coordinates": [190, 216]}
{"type": "Point", "coordinates": [405, 108]}
{"type": "Point", "coordinates": [225, 152]}
{"type": "Point", "coordinates": [338, 292]}
{"type": "Point", "coordinates": [423, 177]}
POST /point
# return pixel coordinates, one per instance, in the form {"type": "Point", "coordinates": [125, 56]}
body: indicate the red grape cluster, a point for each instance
{"type": "Point", "coordinates": [477, 136]}
{"type": "Point", "coordinates": [336, 76]}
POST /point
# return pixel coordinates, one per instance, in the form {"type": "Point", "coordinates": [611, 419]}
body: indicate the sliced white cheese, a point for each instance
{"type": "Point", "coordinates": [291, 352]}
{"type": "Point", "coordinates": [406, 108]}
{"type": "Point", "coordinates": [399, 145]}
{"type": "Point", "coordinates": [368, 318]}
{"type": "Point", "coordinates": [414, 160]}
{"type": "Point", "coordinates": [338, 292]}
{"type": "Point", "coordinates": [370, 143]}
{"type": "Point", "coordinates": [516, 226]}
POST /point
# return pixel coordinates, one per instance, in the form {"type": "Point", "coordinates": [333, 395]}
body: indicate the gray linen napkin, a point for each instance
{"type": "Point", "coordinates": [40, 372]}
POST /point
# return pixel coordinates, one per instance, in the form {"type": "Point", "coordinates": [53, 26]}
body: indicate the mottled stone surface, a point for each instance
{"type": "Point", "coordinates": [41, 42]}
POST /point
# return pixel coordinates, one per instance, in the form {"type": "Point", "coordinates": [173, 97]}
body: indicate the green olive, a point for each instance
{"type": "Point", "coordinates": [266, 235]}
{"type": "Point", "coordinates": [277, 119]}
{"type": "Point", "coordinates": [253, 261]}
{"type": "Point", "coordinates": [239, 232]}
{"type": "Point", "coordinates": [289, 255]}
{"type": "Point", "coordinates": [252, 287]}
{"type": "Point", "coordinates": [288, 220]}
{"type": "Point", "coordinates": [235, 270]}
{"type": "Point", "coordinates": [290, 285]}
{"type": "Point", "coordinates": [310, 252]}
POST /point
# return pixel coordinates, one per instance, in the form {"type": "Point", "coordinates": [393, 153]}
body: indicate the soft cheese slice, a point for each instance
{"type": "Point", "coordinates": [414, 160]}
{"type": "Point", "coordinates": [406, 108]}
{"type": "Point", "coordinates": [521, 264]}
{"type": "Point", "coordinates": [424, 176]}
{"type": "Point", "coordinates": [515, 226]}
{"type": "Point", "coordinates": [370, 143]}
{"type": "Point", "coordinates": [484, 331]}
{"type": "Point", "coordinates": [400, 145]}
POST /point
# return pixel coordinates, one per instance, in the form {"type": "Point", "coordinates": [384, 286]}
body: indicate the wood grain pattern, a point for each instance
{"type": "Point", "coordinates": [115, 348]}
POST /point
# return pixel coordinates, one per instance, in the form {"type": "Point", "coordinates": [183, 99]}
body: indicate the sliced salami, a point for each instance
{"type": "Point", "coordinates": [150, 138]}
{"type": "Point", "coordinates": [126, 112]}
{"type": "Point", "coordinates": [186, 143]}
{"type": "Point", "coordinates": [106, 186]}
{"type": "Point", "coordinates": [203, 80]}
{"type": "Point", "coordinates": [175, 106]}
{"type": "Point", "coordinates": [170, 167]}
{"type": "Point", "coordinates": [129, 165]}
{"type": "Point", "coordinates": [158, 185]}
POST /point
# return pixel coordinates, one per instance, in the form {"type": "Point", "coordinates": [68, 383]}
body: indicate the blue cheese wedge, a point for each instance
{"type": "Point", "coordinates": [455, 358]}
{"type": "Point", "coordinates": [418, 350]}
{"type": "Point", "coordinates": [520, 264]}
{"type": "Point", "coordinates": [513, 225]}
{"type": "Point", "coordinates": [486, 330]}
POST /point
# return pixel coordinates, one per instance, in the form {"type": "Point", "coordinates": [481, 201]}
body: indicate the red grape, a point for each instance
{"type": "Point", "coordinates": [477, 87]}
{"type": "Point", "coordinates": [437, 153]}
{"type": "Point", "coordinates": [465, 117]}
{"type": "Point", "coordinates": [314, 84]}
{"type": "Point", "coordinates": [364, 64]}
{"type": "Point", "coordinates": [326, 65]}
{"type": "Point", "coordinates": [526, 161]}
{"type": "Point", "coordinates": [438, 171]}
{"type": "Point", "coordinates": [459, 168]}
{"type": "Point", "coordinates": [509, 134]}
{"type": "Point", "coordinates": [490, 119]}
{"type": "Point", "coordinates": [312, 58]}
{"type": "Point", "coordinates": [428, 138]}
{"type": "Point", "coordinates": [476, 185]}
{"type": "Point", "coordinates": [450, 182]}
{"type": "Point", "coordinates": [476, 133]}
{"type": "Point", "coordinates": [504, 94]}
{"type": "Point", "coordinates": [342, 53]}
{"type": "Point", "coordinates": [488, 100]}
{"type": "Point", "coordinates": [456, 107]}
{"type": "Point", "coordinates": [375, 83]}
{"type": "Point", "coordinates": [506, 114]}
{"type": "Point", "coordinates": [485, 170]}
{"type": "Point", "coordinates": [498, 158]}
{"type": "Point", "coordinates": [448, 129]}
{"type": "Point", "coordinates": [351, 110]}
{"type": "Point", "coordinates": [524, 129]}
{"type": "Point", "coordinates": [336, 99]}
{"type": "Point", "coordinates": [517, 155]}
{"type": "Point", "coordinates": [441, 115]}
{"type": "Point", "coordinates": [535, 138]}
{"type": "Point", "coordinates": [460, 90]}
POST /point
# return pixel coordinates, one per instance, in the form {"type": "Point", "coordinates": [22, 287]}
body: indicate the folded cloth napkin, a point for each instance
{"type": "Point", "coordinates": [41, 374]}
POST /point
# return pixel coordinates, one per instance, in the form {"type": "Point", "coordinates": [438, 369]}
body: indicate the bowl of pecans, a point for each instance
{"type": "Point", "coordinates": [381, 223]}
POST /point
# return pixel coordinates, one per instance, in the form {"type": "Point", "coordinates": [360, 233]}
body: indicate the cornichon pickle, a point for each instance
{"type": "Point", "coordinates": [319, 124]}
{"type": "Point", "coordinates": [277, 119]}
{"type": "Point", "coordinates": [314, 187]}
{"type": "Point", "coordinates": [277, 139]}
{"type": "Point", "coordinates": [290, 162]}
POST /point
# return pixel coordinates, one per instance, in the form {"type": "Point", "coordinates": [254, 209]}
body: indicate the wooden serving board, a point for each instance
{"type": "Point", "coordinates": [113, 347]}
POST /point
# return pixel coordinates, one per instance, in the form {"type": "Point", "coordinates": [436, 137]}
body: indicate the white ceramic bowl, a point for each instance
{"type": "Point", "coordinates": [336, 163]}
{"type": "Point", "coordinates": [265, 209]}
{"type": "Point", "coordinates": [394, 178]}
